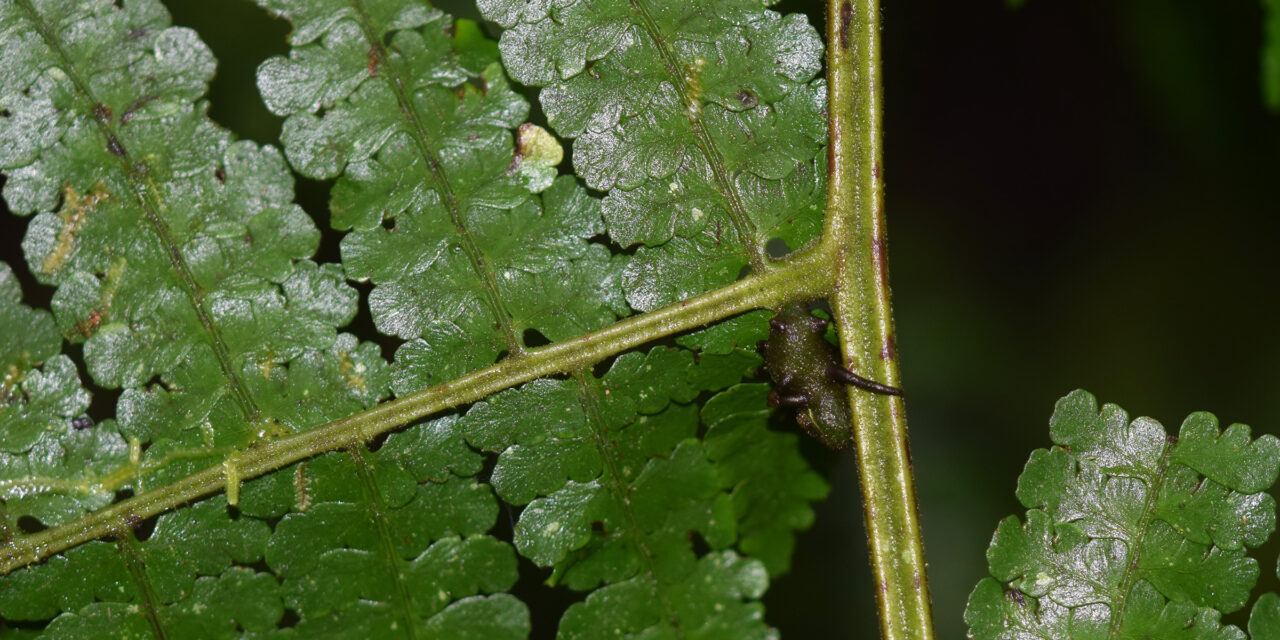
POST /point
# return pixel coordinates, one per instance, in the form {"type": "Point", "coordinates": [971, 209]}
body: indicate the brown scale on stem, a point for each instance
{"type": "Point", "coordinates": [808, 376]}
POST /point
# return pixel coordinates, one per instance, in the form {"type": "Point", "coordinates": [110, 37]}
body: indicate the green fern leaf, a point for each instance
{"type": "Point", "coordinates": [376, 552]}
{"type": "Point", "coordinates": [179, 257]}
{"type": "Point", "coordinates": [1131, 533]}
{"type": "Point", "coordinates": [152, 585]}
{"type": "Point", "coordinates": [181, 262]}
{"type": "Point", "coordinates": [40, 398]}
{"type": "Point", "coordinates": [701, 120]}
{"type": "Point", "coordinates": [708, 602]}
{"type": "Point", "coordinates": [612, 478]}
{"type": "Point", "coordinates": [420, 132]}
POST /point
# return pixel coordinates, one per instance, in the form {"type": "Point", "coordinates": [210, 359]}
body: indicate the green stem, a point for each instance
{"type": "Point", "coordinates": [806, 276]}
{"type": "Point", "coordinates": [855, 233]}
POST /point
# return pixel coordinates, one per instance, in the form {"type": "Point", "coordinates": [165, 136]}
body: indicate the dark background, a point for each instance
{"type": "Point", "coordinates": [1082, 194]}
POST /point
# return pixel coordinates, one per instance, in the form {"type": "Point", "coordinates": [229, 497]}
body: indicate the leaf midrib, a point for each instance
{"type": "Point", "coordinates": [426, 149]}
{"type": "Point", "coordinates": [805, 275]}
{"type": "Point", "coordinates": [1130, 576]}
{"type": "Point", "coordinates": [738, 216]}
{"type": "Point", "coordinates": [401, 600]}
{"type": "Point", "coordinates": [618, 489]}
{"type": "Point", "coordinates": [144, 190]}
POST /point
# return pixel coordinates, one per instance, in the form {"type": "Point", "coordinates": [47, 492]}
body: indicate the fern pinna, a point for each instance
{"type": "Point", "coordinates": [182, 264]}
{"type": "Point", "coordinates": [1132, 533]}
{"type": "Point", "coordinates": [571, 397]}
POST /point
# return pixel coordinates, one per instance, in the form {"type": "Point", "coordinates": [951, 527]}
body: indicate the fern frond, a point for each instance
{"type": "Point", "coordinates": [469, 251]}
{"type": "Point", "coordinates": [178, 255]}
{"type": "Point", "coordinates": [1131, 533]}
{"type": "Point", "coordinates": [413, 114]}
{"type": "Point", "coordinates": [41, 400]}
{"type": "Point", "coordinates": [703, 121]}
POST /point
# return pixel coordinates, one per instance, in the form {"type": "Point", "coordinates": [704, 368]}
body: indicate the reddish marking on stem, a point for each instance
{"type": "Point", "coordinates": [886, 351]}
{"type": "Point", "coordinates": [846, 21]}
{"type": "Point", "coordinates": [878, 256]}
{"type": "Point", "coordinates": [875, 171]}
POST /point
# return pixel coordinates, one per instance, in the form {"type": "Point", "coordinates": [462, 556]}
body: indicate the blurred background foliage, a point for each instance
{"type": "Point", "coordinates": [1082, 193]}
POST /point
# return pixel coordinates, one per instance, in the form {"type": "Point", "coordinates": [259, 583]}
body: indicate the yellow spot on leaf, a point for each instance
{"type": "Point", "coordinates": [75, 209]}
{"type": "Point", "coordinates": [352, 372]}
{"type": "Point", "coordinates": [537, 145]}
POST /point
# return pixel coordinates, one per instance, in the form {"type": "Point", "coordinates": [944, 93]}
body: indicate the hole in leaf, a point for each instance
{"type": "Point", "coordinates": [377, 441]}
{"type": "Point", "coordinates": [289, 619]}
{"type": "Point", "coordinates": [533, 339]}
{"type": "Point", "coordinates": [700, 546]}
{"type": "Point", "coordinates": [389, 224]}
{"type": "Point", "coordinates": [5, 113]}
{"type": "Point", "coordinates": [600, 368]}
{"type": "Point", "coordinates": [777, 248]}
{"type": "Point", "coordinates": [29, 525]}
{"type": "Point", "coordinates": [744, 271]}
{"type": "Point", "coordinates": [220, 174]}
{"type": "Point", "coordinates": [145, 528]}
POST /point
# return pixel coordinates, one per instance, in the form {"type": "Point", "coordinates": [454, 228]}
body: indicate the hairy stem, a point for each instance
{"type": "Point", "coordinates": [804, 277]}
{"type": "Point", "coordinates": [855, 231]}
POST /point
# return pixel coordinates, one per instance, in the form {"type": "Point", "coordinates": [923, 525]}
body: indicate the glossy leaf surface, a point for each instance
{"type": "Point", "coordinates": [1131, 532]}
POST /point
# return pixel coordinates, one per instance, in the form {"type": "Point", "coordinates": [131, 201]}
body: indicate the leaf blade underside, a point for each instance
{"type": "Point", "coordinates": [584, 468]}
{"type": "Point", "coordinates": [703, 122]}
{"type": "Point", "coordinates": [1131, 533]}
{"type": "Point", "coordinates": [182, 263]}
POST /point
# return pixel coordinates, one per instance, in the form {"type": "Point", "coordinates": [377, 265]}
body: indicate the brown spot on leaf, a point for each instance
{"type": "Point", "coordinates": [114, 147]}
{"type": "Point", "coordinates": [375, 58]}
{"type": "Point", "coordinates": [132, 109]}
{"type": "Point", "coordinates": [102, 113]}
{"type": "Point", "coordinates": [89, 324]}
